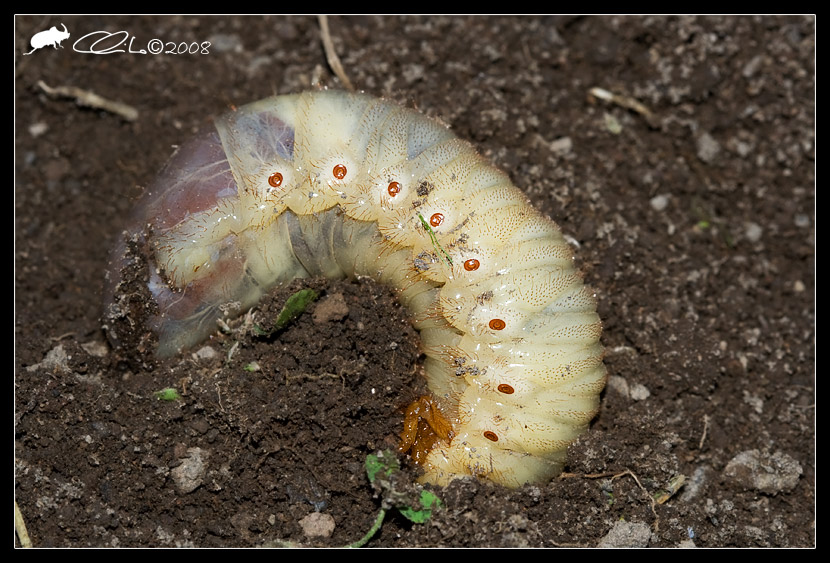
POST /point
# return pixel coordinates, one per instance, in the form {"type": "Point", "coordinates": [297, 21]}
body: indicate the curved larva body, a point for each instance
{"type": "Point", "coordinates": [344, 185]}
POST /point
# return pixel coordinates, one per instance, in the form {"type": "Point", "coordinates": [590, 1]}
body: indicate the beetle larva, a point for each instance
{"type": "Point", "coordinates": [340, 185]}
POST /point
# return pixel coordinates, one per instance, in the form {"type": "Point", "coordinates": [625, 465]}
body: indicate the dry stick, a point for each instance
{"type": "Point", "coordinates": [20, 527]}
{"type": "Point", "coordinates": [89, 99]}
{"type": "Point", "coordinates": [626, 102]}
{"type": "Point", "coordinates": [705, 431]}
{"type": "Point", "coordinates": [331, 55]}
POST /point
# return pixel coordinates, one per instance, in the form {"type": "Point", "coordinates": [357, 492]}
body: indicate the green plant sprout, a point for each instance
{"type": "Point", "coordinates": [382, 470]}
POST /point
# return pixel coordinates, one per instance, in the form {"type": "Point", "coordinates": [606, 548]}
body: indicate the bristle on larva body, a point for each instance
{"type": "Point", "coordinates": [344, 185]}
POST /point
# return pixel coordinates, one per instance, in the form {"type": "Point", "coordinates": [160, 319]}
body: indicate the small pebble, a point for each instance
{"type": "Point", "coordinates": [659, 202]}
{"type": "Point", "coordinates": [317, 525]}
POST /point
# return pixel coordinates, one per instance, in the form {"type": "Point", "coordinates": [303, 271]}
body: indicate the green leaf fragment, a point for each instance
{"type": "Point", "coordinates": [428, 500]}
{"type": "Point", "coordinates": [167, 394]}
{"type": "Point", "coordinates": [294, 307]}
{"type": "Point", "coordinates": [387, 464]}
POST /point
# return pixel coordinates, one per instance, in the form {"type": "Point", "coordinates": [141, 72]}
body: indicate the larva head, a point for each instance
{"type": "Point", "coordinates": [190, 250]}
{"type": "Point", "coordinates": [222, 182]}
{"type": "Point", "coordinates": [190, 209]}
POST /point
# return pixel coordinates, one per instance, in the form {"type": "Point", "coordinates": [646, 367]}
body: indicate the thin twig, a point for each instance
{"type": "Point", "coordinates": [85, 98]}
{"type": "Point", "coordinates": [20, 527]}
{"type": "Point", "coordinates": [621, 474]}
{"type": "Point", "coordinates": [626, 102]}
{"type": "Point", "coordinates": [331, 54]}
{"type": "Point", "coordinates": [705, 431]}
{"type": "Point", "coordinates": [650, 498]}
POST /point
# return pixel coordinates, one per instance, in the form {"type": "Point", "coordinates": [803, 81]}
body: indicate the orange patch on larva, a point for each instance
{"type": "Point", "coordinates": [491, 436]}
{"type": "Point", "coordinates": [393, 189]}
{"type": "Point", "coordinates": [506, 389]}
{"type": "Point", "coordinates": [436, 219]}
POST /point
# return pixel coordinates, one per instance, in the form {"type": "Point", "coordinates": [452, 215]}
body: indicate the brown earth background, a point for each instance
{"type": "Point", "coordinates": [695, 222]}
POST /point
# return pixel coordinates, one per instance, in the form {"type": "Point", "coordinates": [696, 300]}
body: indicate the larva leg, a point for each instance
{"type": "Point", "coordinates": [423, 426]}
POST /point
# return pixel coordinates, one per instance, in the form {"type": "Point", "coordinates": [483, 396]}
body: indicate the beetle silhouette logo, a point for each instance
{"type": "Point", "coordinates": [52, 36]}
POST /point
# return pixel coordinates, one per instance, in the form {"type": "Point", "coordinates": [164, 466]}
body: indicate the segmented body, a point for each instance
{"type": "Point", "coordinates": [344, 185]}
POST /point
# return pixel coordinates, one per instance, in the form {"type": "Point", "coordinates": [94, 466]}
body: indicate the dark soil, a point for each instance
{"type": "Point", "coordinates": [695, 224]}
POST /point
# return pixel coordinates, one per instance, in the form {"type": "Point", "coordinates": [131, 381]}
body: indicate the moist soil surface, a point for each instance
{"type": "Point", "coordinates": [693, 216]}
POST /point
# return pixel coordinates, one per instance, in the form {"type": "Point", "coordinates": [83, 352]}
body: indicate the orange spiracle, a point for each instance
{"type": "Point", "coordinates": [275, 180]}
{"type": "Point", "coordinates": [436, 219]}
{"type": "Point", "coordinates": [393, 189]}
{"type": "Point", "coordinates": [471, 265]}
{"type": "Point", "coordinates": [506, 389]}
{"type": "Point", "coordinates": [491, 436]}
{"type": "Point", "coordinates": [339, 171]}
{"type": "Point", "coordinates": [497, 324]}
